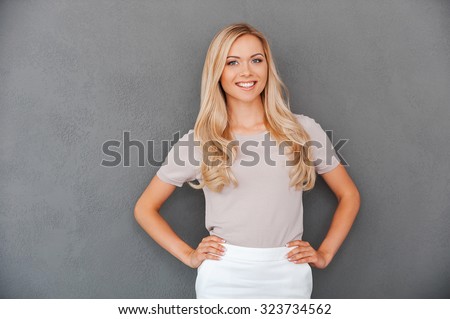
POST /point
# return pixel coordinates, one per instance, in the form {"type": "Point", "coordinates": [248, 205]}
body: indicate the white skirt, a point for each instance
{"type": "Point", "coordinates": [251, 273]}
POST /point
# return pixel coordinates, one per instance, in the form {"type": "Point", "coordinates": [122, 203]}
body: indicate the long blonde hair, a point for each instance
{"type": "Point", "coordinates": [212, 125]}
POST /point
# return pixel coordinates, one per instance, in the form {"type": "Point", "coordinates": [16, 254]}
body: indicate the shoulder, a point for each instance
{"type": "Point", "coordinates": [306, 121]}
{"type": "Point", "coordinates": [188, 135]}
{"type": "Point", "coordinates": [187, 141]}
{"type": "Point", "coordinates": [312, 127]}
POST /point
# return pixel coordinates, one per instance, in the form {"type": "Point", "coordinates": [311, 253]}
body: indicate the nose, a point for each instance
{"type": "Point", "coordinates": [245, 71]}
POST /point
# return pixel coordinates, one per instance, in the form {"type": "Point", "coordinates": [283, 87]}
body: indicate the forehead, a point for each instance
{"type": "Point", "coordinates": [246, 44]}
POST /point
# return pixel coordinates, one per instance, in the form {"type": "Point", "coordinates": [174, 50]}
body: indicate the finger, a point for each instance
{"type": "Point", "coordinates": [205, 247]}
{"type": "Point", "coordinates": [298, 243]}
{"type": "Point", "coordinates": [211, 256]}
{"type": "Point", "coordinates": [301, 255]}
{"type": "Point", "coordinates": [210, 249]}
{"type": "Point", "coordinates": [212, 246]}
{"type": "Point", "coordinates": [216, 239]}
{"type": "Point", "coordinates": [217, 247]}
{"type": "Point", "coordinates": [305, 260]}
{"type": "Point", "coordinates": [297, 250]}
{"type": "Point", "coordinates": [211, 239]}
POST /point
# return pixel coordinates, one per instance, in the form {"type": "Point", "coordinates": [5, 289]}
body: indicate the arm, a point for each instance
{"type": "Point", "coordinates": [146, 213]}
{"type": "Point", "coordinates": [348, 206]}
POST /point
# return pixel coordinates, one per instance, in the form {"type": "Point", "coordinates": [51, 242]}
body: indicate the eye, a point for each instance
{"type": "Point", "coordinates": [230, 63]}
{"type": "Point", "coordinates": [257, 60]}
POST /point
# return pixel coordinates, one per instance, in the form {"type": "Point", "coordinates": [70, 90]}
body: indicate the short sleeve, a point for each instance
{"type": "Point", "coordinates": [182, 163]}
{"type": "Point", "coordinates": [324, 156]}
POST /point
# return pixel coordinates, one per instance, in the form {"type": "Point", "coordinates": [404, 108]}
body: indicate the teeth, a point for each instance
{"type": "Point", "coordinates": [246, 84]}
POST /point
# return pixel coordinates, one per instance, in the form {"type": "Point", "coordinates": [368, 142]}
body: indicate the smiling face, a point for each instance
{"type": "Point", "coordinates": [244, 76]}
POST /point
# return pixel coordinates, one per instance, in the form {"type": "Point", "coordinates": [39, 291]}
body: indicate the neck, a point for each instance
{"type": "Point", "coordinates": [245, 115]}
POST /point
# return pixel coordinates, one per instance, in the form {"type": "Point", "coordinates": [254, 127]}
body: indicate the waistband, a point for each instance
{"type": "Point", "coordinates": [255, 254]}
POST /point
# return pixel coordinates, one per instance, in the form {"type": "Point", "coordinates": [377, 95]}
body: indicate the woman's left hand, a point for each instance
{"type": "Point", "coordinates": [304, 253]}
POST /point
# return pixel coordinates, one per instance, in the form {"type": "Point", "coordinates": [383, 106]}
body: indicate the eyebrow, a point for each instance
{"type": "Point", "coordinates": [233, 56]}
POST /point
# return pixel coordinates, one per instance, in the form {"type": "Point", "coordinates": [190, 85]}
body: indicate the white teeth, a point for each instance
{"type": "Point", "coordinates": [246, 84]}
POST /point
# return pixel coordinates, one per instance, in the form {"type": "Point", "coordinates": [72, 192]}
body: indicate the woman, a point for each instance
{"type": "Point", "coordinates": [254, 211]}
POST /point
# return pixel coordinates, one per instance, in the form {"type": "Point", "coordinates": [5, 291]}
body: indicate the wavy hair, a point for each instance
{"type": "Point", "coordinates": [212, 128]}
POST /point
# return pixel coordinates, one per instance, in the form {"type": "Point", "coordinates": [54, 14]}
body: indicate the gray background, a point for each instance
{"type": "Point", "coordinates": [75, 74]}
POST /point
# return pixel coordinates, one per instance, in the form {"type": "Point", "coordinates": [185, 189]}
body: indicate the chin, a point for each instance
{"type": "Point", "coordinates": [247, 99]}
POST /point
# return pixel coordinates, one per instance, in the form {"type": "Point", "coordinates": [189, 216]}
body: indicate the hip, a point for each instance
{"type": "Point", "coordinates": [245, 272]}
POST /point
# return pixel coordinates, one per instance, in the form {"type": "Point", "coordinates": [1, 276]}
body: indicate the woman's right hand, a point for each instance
{"type": "Point", "coordinates": [208, 246]}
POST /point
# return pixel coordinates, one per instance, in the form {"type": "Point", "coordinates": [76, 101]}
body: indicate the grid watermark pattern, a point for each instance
{"type": "Point", "coordinates": [120, 151]}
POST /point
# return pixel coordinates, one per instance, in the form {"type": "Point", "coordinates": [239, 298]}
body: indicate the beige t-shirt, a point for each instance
{"type": "Point", "coordinates": [262, 211]}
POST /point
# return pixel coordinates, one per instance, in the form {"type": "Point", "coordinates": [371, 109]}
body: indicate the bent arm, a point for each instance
{"type": "Point", "coordinates": [348, 206]}
{"type": "Point", "coordinates": [146, 213]}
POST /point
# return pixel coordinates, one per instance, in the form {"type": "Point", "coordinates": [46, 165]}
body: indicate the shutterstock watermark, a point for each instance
{"type": "Point", "coordinates": [184, 150]}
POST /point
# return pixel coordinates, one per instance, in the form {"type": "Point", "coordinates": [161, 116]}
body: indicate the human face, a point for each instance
{"type": "Point", "coordinates": [245, 64]}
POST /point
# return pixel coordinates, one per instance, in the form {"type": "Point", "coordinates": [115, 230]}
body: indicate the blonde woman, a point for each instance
{"type": "Point", "coordinates": [253, 158]}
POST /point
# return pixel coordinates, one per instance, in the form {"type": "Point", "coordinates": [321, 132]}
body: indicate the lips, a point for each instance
{"type": "Point", "coordinates": [247, 85]}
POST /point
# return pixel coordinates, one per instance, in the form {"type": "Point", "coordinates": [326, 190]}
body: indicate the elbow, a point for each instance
{"type": "Point", "coordinates": [353, 197]}
{"type": "Point", "coordinates": [356, 199]}
{"type": "Point", "coordinates": [138, 212]}
{"type": "Point", "coordinates": [141, 212]}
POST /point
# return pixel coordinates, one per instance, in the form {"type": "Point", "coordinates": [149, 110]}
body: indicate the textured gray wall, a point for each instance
{"type": "Point", "coordinates": [75, 74]}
